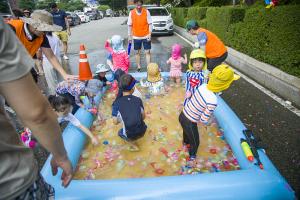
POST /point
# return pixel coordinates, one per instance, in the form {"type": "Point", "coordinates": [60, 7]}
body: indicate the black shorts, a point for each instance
{"type": "Point", "coordinates": [214, 62]}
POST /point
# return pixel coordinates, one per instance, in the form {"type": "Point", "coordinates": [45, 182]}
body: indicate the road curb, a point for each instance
{"type": "Point", "coordinates": [279, 82]}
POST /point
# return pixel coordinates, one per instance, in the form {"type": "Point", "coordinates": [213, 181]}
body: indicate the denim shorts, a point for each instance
{"type": "Point", "coordinates": [138, 44]}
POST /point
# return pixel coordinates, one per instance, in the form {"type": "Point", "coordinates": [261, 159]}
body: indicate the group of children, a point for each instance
{"type": "Point", "coordinates": [127, 109]}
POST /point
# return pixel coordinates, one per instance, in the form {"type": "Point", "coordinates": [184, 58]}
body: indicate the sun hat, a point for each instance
{"type": "Point", "coordinates": [176, 51]}
{"type": "Point", "coordinates": [117, 43]}
{"type": "Point", "coordinates": [94, 86]}
{"type": "Point", "coordinates": [197, 53]}
{"type": "Point", "coordinates": [221, 78]}
{"type": "Point", "coordinates": [101, 68]}
{"type": "Point", "coordinates": [42, 21]}
{"type": "Point", "coordinates": [191, 24]}
{"type": "Point", "coordinates": [153, 73]}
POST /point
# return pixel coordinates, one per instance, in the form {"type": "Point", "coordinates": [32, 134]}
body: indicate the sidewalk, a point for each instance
{"type": "Point", "coordinates": [279, 82]}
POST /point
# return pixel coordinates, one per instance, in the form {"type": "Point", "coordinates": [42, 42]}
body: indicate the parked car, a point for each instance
{"type": "Point", "coordinates": [6, 16]}
{"type": "Point", "coordinates": [84, 18]}
{"type": "Point", "coordinates": [101, 14]}
{"type": "Point", "coordinates": [161, 20]}
{"type": "Point", "coordinates": [73, 19]}
{"type": "Point", "coordinates": [93, 14]}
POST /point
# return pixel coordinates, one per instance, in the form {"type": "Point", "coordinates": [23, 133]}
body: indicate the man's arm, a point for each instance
{"type": "Point", "coordinates": [67, 24]}
{"type": "Point", "coordinates": [129, 23]}
{"type": "Point", "coordinates": [202, 40]}
{"type": "Point", "coordinates": [36, 113]}
{"type": "Point", "coordinates": [55, 63]}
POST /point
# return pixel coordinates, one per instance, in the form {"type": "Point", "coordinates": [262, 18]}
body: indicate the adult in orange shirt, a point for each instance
{"type": "Point", "coordinates": [139, 29]}
{"type": "Point", "coordinates": [215, 50]}
{"type": "Point", "coordinates": [31, 33]}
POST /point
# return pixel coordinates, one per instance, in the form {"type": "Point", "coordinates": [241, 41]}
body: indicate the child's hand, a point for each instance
{"type": "Point", "coordinates": [108, 83]}
{"type": "Point", "coordinates": [95, 141]}
{"type": "Point", "coordinates": [188, 94]}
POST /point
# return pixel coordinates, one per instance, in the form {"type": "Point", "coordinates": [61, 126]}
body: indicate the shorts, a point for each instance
{"type": "Point", "coordinates": [135, 137]}
{"type": "Point", "coordinates": [62, 35]}
{"type": "Point", "coordinates": [139, 42]}
{"type": "Point", "coordinates": [214, 62]}
{"type": "Point", "coordinates": [38, 190]}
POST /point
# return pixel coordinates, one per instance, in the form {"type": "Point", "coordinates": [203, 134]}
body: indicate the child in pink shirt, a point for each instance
{"type": "Point", "coordinates": [176, 62]}
{"type": "Point", "coordinates": [120, 58]}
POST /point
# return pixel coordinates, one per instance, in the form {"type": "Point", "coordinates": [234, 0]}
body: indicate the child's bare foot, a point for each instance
{"type": "Point", "coordinates": [133, 148]}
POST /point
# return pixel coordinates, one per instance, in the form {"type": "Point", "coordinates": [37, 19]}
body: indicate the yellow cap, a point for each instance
{"type": "Point", "coordinates": [221, 78]}
{"type": "Point", "coordinates": [153, 73]}
{"type": "Point", "coordinates": [197, 53]}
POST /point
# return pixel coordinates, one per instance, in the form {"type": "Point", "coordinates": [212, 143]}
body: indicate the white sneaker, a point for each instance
{"type": "Point", "coordinates": [66, 57]}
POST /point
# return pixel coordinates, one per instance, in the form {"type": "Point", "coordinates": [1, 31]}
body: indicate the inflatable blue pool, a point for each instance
{"type": "Point", "coordinates": [250, 182]}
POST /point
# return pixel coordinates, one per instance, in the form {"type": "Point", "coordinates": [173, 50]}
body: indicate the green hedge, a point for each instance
{"type": "Point", "coordinates": [271, 36]}
{"type": "Point", "coordinates": [219, 20]}
{"type": "Point", "coordinates": [179, 16]}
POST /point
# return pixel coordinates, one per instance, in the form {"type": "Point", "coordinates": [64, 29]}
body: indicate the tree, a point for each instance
{"type": "Point", "coordinates": [4, 7]}
{"type": "Point", "coordinates": [44, 4]}
{"type": "Point", "coordinates": [27, 4]}
{"type": "Point", "coordinates": [103, 7]}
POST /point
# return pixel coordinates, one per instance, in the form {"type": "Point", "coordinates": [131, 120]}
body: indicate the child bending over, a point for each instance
{"type": "Point", "coordinates": [62, 107]}
{"type": "Point", "coordinates": [130, 112]}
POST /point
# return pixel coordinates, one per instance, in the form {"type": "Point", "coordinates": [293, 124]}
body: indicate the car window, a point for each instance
{"type": "Point", "coordinates": [158, 12]}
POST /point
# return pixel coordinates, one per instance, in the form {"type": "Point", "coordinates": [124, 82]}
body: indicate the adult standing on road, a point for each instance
{"type": "Point", "coordinates": [215, 50]}
{"type": "Point", "coordinates": [19, 177]}
{"type": "Point", "coordinates": [31, 33]}
{"type": "Point", "coordinates": [139, 29]}
{"type": "Point", "coordinates": [60, 19]}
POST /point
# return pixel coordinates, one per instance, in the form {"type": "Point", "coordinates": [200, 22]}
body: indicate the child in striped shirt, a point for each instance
{"type": "Point", "coordinates": [202, 104]}
{"type": "Point", "coordinates": [195, 74]}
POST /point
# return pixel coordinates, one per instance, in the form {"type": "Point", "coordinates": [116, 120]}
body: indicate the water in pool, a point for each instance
{"type": "Point", "coordinates": [161, 152]}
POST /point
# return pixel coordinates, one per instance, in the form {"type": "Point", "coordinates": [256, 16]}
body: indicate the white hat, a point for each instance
{"type": "Point", "coordinates": [101, 68]}
{"type": "Point", "coordinates": [42, 21]}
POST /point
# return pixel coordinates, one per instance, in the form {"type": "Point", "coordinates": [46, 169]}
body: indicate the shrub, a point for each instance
{"type": "Point", "coordinates": [269, 35]}
{"type": "Point", "coordinates": [219, 19]}
{"type": "Point", "coordinates": [197, 13]}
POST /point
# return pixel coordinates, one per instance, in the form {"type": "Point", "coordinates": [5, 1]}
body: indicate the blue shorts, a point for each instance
{"type": "Point", "coordinates": [138, 44]}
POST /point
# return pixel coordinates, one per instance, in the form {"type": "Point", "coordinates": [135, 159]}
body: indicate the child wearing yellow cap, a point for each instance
{"type": "Point", "coordinates": [195, 75]}
{"type": "Point", "coordinates": [154, 80]}
{"type": "Point", "coordinates": [202, 105]}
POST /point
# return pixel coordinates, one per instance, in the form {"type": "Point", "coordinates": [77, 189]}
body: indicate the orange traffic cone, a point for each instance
{"type": "Point", "coordinates": [84, 66]}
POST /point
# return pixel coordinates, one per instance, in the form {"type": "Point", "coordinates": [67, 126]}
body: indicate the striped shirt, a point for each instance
{"type": "Point", "coordinates": [201, 105]}
{"type": "Point", "coordinates": [193, 81]}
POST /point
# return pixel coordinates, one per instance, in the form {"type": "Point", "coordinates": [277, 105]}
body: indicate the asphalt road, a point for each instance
{"type": "Point", "coordinates": [276, 126]}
